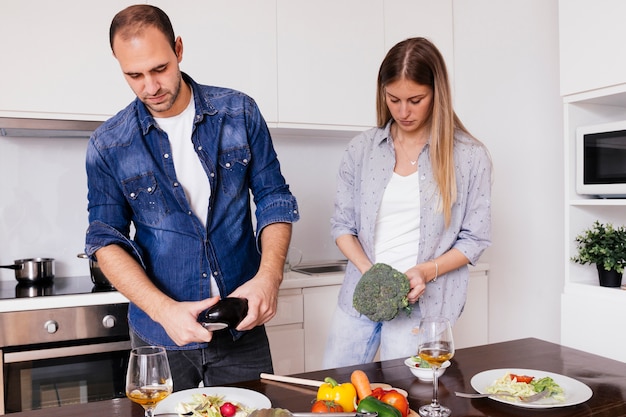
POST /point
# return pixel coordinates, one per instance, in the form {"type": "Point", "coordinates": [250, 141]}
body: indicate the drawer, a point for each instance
{"type": "Point", "coordinates": [290, 308]}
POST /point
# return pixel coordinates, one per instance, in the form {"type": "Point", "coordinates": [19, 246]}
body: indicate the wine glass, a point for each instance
{"type": "Point", "coordinates": [435, 346]}
{"type": "Point", "coordinates": [148, 378]}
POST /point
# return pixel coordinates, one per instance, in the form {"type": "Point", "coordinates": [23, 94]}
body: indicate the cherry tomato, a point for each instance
{"type": "Point", "coordinates": [521, 378]}
{"type": "Point", "coordinates": [325, 406]}
{"type": "Point", "coordinates": [228, 409]}
{"type": "Point", "coordinates": [397, 400]}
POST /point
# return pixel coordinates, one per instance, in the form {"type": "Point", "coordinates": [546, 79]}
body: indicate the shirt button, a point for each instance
{"type": "Point", "coordinates": [167, 155]}
{"type": "Point", "coordinates": [175, 184]}
{"type": "Point", "coordinates": [227, 164]}
{"type": "Point", "coordinates": [204, 275]}
{"type": "Point", "coordinates": [189, 212]}
{"type": "Point", "coordinates": [245, 161]}
{"type": "Point", "coordinates": [132, 195]}
{"type": "Point", "coordinates": [215, 273]}
{"type": "Point", "coordinates": [149, 189]}
{"type": "Point", "coordinates": [200, 147]}
{"type": "Point", "coordinates": [212, 174]}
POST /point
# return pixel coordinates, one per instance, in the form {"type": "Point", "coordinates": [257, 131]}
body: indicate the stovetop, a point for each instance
{"type": "Point", "coordinates": [59, 286]}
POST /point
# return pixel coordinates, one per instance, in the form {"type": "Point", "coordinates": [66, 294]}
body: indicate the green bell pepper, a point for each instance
{"type": "Point", "coordinates": [372, 404]}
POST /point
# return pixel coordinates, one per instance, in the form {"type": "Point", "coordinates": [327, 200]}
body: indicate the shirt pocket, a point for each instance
{"type": "Point", "coordinates": [233, 170]}
{"type": "Point", "coordinates": [146, 198]}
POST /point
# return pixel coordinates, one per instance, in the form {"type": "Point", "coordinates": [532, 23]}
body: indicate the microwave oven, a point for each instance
{"type": "Point", "coordinates": [601, 160]}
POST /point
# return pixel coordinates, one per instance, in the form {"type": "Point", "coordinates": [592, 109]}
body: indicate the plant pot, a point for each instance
{"type": "Point", "coordinates": [609, 278]}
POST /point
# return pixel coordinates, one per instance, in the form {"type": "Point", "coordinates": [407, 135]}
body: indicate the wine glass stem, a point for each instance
{"type": "Point", "coordinates": [435, 402]}
{"type": "Point", "coordinates": [149, 412]}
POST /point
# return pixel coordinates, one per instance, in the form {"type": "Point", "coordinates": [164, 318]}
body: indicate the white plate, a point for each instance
{"type": "Point", "coordinates": [575, 392]}
{"type": "Point", "coordinates": [243, 396]}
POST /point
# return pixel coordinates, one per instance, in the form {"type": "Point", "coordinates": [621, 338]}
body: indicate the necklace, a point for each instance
{"type": "Point", "coordinates": [413, 162]}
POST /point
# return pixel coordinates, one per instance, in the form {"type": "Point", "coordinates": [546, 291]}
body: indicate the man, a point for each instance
{"type": "Point", "coordinates": [178, 164]}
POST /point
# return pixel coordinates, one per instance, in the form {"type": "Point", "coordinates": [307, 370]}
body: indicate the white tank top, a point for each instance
{"type": "Point", "coordinates": [396, 238]}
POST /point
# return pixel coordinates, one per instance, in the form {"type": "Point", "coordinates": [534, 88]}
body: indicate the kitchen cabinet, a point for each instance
{"type": "Point", "coordinates": [308, 64]}
{"type": "Point", "coordinates": [328, 58]}
{"type": "Point", "coordinates": [298, 332]}
{"type": "Point", "coordinates": [592, 34]}
{"type": "Point", "coordinates": [57, 60]}
{"type": "Point", "coordinates": [585, 306]}
{"type": "Point", "coordinates": [319, 306]}
{"type": "Point", "coordinates": [329, 53]}
{"type": "Point", "coordinates": [286, 333]}
{"type": "Point", "coordinates": [229, 44]}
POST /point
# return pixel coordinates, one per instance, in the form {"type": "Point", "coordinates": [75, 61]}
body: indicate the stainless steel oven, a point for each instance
{"type": "Point", "coordinates": [53, 357]}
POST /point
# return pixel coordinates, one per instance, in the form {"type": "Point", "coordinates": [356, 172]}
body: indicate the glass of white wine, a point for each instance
{"type": "Point", "coordinates": [148, 378]}
{"type": "Point", "coordinates": [435, 346]}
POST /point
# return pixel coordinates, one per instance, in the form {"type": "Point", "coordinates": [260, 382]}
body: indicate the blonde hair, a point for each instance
{"type": "Point", "coordinates": [418, 60]}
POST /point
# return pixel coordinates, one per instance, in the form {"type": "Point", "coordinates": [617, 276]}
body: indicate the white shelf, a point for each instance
{"type": "Point", "coordinates": [598, 202]}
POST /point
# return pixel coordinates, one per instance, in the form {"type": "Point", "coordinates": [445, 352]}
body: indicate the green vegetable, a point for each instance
{"type": "Point", "coordinates": [372, 404]}
{"type": "Point", "coordinates": [547, 383]}
{"type": "Point", "coordinates": [381, 293]}
{"type": "Point", "coordinates": [419, 362]}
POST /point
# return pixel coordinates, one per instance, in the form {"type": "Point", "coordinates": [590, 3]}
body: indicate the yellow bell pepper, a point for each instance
{"type": "Point", "coordinates": [342, 394]}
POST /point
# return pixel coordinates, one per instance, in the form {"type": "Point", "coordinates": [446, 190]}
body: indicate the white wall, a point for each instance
{"type": "Point", "coordinates": [507, 93]}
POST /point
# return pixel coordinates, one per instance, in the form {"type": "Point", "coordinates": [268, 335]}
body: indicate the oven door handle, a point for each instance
{"type": "Point", "coordinates": [33, 355]}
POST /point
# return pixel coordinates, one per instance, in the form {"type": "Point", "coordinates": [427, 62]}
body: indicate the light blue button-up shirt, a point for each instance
{"type": "Point", "coordinates": [365, 170]}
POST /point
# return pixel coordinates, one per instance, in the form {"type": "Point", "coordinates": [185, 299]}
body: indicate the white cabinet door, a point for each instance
{"type": "Point", "coordinates": [286, 334]}
{"type": "Point", "coordinates": [592, 34]}
{"type": "Point", "coordinates": [431, 19]}
{"type": "Point", "coordinates": [287, 347]}
{"type": "Point", "coordinates": [319, 306]}
{"type": "Point", "coordinates": [594, 324]}
{"type": "Point", "coordinates": [229, 44]}
{"type": "Point", "coordinates": [328, 57]}
{"type": "Point", "coordinates": [57, 59]}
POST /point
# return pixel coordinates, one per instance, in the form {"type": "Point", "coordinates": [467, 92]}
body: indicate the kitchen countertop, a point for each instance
{"type": "Point", "coordinates": [604, 376]}
{"type": "Point", "coordinates": [292, 280]}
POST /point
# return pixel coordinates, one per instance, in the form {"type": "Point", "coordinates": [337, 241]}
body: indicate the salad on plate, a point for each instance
{"type": "Point", "coordinates": [525, 385]}
{"type": "Point", "coordinates": [203, 405]}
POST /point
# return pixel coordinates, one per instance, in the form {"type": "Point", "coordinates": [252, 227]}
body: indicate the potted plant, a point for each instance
{"type": "Point", "coordinates": [605, 246]}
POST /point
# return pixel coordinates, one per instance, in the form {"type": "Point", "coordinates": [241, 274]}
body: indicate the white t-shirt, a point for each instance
{"type": "Point", "coordinates": [189, 170]}
{"type": "Point", "coordinates": [397, 234]}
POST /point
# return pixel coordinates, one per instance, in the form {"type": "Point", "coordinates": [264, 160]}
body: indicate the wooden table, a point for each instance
{"type": "Point", "coordinates": [606, 377]}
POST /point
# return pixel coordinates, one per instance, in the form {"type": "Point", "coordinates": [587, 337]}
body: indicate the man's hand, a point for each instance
{"type": "Point", "coordinates": [262, 294]}
{"type": "Point", "coordinates": [180, 320]}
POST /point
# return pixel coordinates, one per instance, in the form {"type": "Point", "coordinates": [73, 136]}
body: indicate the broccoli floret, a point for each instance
{"type": "Point", "coordinates": [381, 293]}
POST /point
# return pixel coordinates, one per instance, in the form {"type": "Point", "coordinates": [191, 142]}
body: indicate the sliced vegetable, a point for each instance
{"type": "Point", "coordinates": [521, 378]}
{"type": "Point", "coordinates": [374, 405]}
{"type": "Point", "coordinates": [361, 384]}
{"type": "Point", "coordinates": [323, 406]}
{"type": "Point", "coordinates": [343, 394]}
{"type": "Point", "coordinates": [378, 393]}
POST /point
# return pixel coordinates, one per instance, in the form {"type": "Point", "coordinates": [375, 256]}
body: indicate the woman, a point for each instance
{"type": "Point", "coordinates": [413, 193]}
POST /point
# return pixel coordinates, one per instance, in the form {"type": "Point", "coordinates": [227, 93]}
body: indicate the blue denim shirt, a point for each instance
{"type": "Point", "coordinates": [131, 179]}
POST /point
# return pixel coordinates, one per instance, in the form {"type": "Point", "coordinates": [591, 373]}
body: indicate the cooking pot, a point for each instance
{"type": "Point", "coordinates": [97, 276]}
{"type": "Point", "coordinates": [33, 270]}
